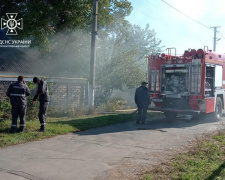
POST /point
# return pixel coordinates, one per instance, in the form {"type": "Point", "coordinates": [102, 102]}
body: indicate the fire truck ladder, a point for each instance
{"type": "Point", "coordinates": [169, 52]}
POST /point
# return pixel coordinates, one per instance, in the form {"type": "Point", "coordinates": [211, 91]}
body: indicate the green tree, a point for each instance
{"type": "Point", "coordinates": [43, 18]}
{"type": "Point", "coordinates": [122, 58]}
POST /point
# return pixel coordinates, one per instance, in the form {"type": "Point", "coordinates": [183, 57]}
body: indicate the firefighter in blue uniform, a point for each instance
{"type": "Point", "coordinates": [43, 95]}
{"type": "Point", "coordinates": [17, 93]}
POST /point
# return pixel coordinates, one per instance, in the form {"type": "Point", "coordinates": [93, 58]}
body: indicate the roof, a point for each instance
{"type": "Point", "coordinates": [14, 61]}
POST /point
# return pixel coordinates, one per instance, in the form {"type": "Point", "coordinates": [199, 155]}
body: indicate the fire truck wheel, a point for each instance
{"type": "Point", "coordinates": [217, 115]}
{"type": "Point", "coordinates": [170, 115]}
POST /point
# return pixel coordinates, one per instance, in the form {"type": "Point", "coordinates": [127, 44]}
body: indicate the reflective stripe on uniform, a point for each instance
{"type": "Point", "coordinates": [18, 87]}
{"type": "Point", "coordinates": [14, 125]}
{"type": "Point", "coordinates": [13, 94]}
{"type": "Point", "coordinates": [22, 124]}
{"type": "Point", "coordinates": [43, 123]}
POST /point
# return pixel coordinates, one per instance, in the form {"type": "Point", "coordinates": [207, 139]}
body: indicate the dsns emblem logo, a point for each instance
{"type": "Point", "coordinates": [11, 23]}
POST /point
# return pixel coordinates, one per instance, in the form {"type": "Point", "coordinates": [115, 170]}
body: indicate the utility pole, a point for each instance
{"type": "Point", "coordinates": [93, 58]}
{"type": "Point", "coordinates": [215, 39]}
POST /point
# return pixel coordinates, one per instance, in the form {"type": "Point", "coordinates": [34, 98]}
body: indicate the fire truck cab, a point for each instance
{"type": "Point", "coordinates": [193, 83]}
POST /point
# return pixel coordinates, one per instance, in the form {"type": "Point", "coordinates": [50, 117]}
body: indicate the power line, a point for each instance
{"type": "Point", "coordinates": [155, 9]}
{"type": "Point", "coordinates": [146, 13]}
{"type": "Point", "coordinates": [143, 11]}
{"type": "Point", "coordinates": [195, 21]}
{"type": "Point", "coordinates": [186, 15]}
{"type": "Point", "coordinates": [221, 35]}
{"type": "Point", "coordinates": [147, 3]}
{"type": "Point", "coordinates": [149, 14]}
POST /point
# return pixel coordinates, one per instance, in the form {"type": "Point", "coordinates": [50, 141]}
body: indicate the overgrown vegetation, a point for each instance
{"type": "Point", "coordinates": [205, 160]}
{"type": "Point", "coordinates": [5, 109]}
{"type": "Point", "coordinates": [112, 105]}
{"type": "Point", "coordinates": [32, 109]}
{"type": "Point", "coordinates": [67, 111]}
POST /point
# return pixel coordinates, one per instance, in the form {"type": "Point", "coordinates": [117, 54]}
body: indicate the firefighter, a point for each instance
{"type": "Point", "coordinates": [43, 95]}
{"type": "Point", "coordinates": [142, 99]}
{"type": "Point", "coordinates": [17, 93]}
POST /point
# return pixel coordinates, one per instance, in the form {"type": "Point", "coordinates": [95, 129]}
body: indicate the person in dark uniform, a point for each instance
{"type": "Point", "coordinates": [142, 99]}
{"type": "Point", "coordinates": [17, 93]}
{"type": "Point", "coordinates": [43, 94]}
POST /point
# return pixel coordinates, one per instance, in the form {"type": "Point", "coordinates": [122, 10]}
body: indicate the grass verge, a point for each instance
{"type": "Point", "coordinates": [205, 160]}
{"type": "Point", "coordinates": [59, 126]}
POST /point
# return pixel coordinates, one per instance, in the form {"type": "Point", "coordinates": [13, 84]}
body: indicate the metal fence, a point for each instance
{"type": "Point", "coordinates": [64, 92]}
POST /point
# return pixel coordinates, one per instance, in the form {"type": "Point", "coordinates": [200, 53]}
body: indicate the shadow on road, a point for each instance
{"type": "Point", "coordinates": [156, 123]}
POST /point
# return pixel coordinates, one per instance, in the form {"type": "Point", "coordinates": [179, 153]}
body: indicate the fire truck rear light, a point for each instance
{"type": "Point", "coordinates": [196, 97]}
{"type": "Point", "coordinates": [200, 52]}
{"type": "Point", "coordinates": [199, 97]}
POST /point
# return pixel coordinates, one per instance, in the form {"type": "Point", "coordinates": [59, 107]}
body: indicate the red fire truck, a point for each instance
{"type": "Point", "coordinates": [193, 83]}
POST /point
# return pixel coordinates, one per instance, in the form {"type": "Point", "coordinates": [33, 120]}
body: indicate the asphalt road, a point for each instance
{"type": "Point", "coordinates": [120, 151]}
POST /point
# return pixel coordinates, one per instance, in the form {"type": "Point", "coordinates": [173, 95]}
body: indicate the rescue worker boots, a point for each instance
{"type": "Point", "coordinates": [42, 129]}
{"type": "Point", "coordinates": [13, 129]}
{"type": "Point", "coordinates": [21, 129]}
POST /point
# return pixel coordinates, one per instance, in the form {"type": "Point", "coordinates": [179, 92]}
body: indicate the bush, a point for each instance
{"type": "Point", "coordinates": [32, 110]}
{"type": "Point", "coordinates": [113, 104]}
{"type": "Point", "coordinates": [66, 111]}
{"type": "Point", "coordinates": [5, 109]}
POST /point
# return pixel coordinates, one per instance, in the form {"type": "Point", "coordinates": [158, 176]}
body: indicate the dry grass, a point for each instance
{"type": "Point", "coordinates": [203, 159]}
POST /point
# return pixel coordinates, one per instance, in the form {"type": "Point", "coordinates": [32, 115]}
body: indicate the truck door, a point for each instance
{"type": "Point", "coordinates": [209, 87]}
{"type": "Point", "coordinates": [209, 80]}
{"type": "Point", "coordinates": [213, 86]}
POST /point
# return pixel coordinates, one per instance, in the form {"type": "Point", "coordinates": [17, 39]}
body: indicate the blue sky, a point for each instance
{"type": "Point", "coordinates": [177, 30]}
